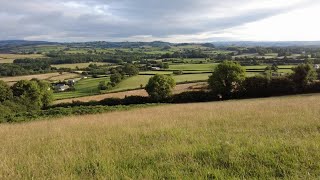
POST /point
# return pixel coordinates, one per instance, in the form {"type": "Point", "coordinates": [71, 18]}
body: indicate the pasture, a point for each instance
{"type": "Point", "coordinates": [78, 65]}
{"type": "Point", "coordinates": [49, 77]}
{"type": "Point", "coordinates": [138, 92]}
{"type": "Point", "coordinates": [89, 87]}
{"type": "Point", "coordinates": [271, 138]}
{"type": "Point", "coordinates": [9, 58]}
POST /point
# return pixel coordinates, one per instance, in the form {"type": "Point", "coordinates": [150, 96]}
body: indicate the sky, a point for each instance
{"type": "Point", "coordinates": [163, 20]}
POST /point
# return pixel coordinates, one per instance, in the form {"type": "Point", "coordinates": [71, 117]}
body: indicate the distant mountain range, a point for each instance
{"type": "Point", "coordinates": [103, 44]}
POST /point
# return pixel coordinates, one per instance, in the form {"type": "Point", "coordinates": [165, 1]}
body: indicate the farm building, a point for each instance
{"type": "Point", "coordinates": [155, 68]}
{"type": "Point", "coordinates": [61, 87]}
{"type": "Point", "coordinates": [317, 66]}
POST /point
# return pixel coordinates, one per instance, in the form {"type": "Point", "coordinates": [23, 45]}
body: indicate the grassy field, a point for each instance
{"type": "Point", "coordinates": [210, 67]}
{"type": "Point", "coordinates": [194, 67]}
{"type": "Point", "coordinates": [49, 77]}
{"type": "Point", "coordinates": [79, 65]}
{"type": "Point", "coordinates": [273, 138]}
{"type": "Point", "coordinates": [138, 92]}
{"type": "Point", "coordinates": [9, 58]}
{"type": "Point", "coordinates": [84, 87]}
{"type": "Point", "coordinates": [89, 87]}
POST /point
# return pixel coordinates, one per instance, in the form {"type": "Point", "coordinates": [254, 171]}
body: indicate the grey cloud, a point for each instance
{"type": "Point", "coordinates": [84, 20]}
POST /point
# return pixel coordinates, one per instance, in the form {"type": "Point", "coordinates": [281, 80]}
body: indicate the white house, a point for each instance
{"type": "Point", "coordinates": [61, 87]}
{"type": "Point", "coordinates": [317, 66]}
{"type": "Point", "coordinates": [155, 68]}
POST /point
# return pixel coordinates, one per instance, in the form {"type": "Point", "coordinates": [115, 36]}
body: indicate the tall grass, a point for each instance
{"type": "Point", "coordinates": [258, 138]}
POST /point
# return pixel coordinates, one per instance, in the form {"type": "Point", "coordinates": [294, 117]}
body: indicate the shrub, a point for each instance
{"type": "Point", "coordinates": [178, 72]}
{"type": "Point", "coordinates": [193, 96]}
{"type": "Point", "coordinates": [5, 92]}
{"type": "Point", "coordinates": [256, 86]}
{"type": "Point", "coordinates": [303, 75]}
{"type": "Point", "coordinates": [281, 86]}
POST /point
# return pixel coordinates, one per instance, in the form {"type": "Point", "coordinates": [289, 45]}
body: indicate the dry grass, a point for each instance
{"type": "Point", "coordinates": [9, 58]}
{"type": "Point", "coordinates": [179, 88]}
{"type": "Point", "coordinates": [259, 138]}
{"type": "Point", "coordinates": [48, 76]}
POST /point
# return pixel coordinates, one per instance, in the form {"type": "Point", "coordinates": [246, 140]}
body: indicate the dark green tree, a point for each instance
{"type": "Point", "coordinates": [5, 92]}
{"type": "Point", "coordinates": [116, 78]}
{"type": "Point", "coordinates": [46, 92]}
{"type": "Point", "coordinates": [130, 70]}
{"type": "Point", "coordinates": [227, 78]}
{"type": "Point", "coordinates": [303, 74]}
{"type": "Point", "coordinates": [274, 68]}
{"type": "Point", "coordinates": [160, 87]}
{"type": "Point", "coordinates": [28, 92]}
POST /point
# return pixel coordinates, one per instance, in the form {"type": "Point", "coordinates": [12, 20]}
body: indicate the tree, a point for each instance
{"type": "Point", "coordinates": [303, 75]}
{"type": "Point", "coordinates": [227, 78]}
{"type": "Point", "coordinates": [29, 93]}
{"type": "Point", "coordinates": [116, 78]}
{"type": "Point", "coordinates": [130, 70]}
{"type": "Point", "coordinates": [165, 66]}
{"type": "Point", "coordinates": [274, 68]}
{"type": "Point", "coordinates": [46, 93]}
{"type": "Point", "coordinates": [5, 92]}
{"type": "Point", "coordinates": [102, 85]}
{"type": "Point", "coordinates": [160, 87]}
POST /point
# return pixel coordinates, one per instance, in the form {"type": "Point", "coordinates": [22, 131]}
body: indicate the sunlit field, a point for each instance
{"type": "Point", "coordinates": [273, 138]}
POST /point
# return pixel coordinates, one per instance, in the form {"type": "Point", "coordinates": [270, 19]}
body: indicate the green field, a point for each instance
{"type": "Point", "coordinates": [84, 87]}
{"type": "Point", "coordinates": [194, 67]}
{"type": "Point", "coordinates": [270, 138]}
{"type": "Point", "coordinates": [9, 58]}
{"type": "Point", "coordinates": [79, 65]}
{"type": "Point", "coordinates": [210, 67]}
{"type": "Point", "coordinates": [88, 87]}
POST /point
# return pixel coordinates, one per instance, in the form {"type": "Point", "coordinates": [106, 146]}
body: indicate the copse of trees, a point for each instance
{"type": "Point", "coordinates": [5, 92]}
{"type": "Point", "coordinates": [227, 78]}
{"type": "Point", "coordinates": [160, 87]}
{"type": "Point", "coordinates": [118, 74]}
{"type": "Point", "coordinates": [24, 96]}
{"type": "Point", "coordinates": [303, 74]}
{"type": "Point", "coordinates": [35, 94]}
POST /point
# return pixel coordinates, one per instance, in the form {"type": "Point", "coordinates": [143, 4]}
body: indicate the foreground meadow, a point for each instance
{"type": "Point", "coordinates": [258, 138]}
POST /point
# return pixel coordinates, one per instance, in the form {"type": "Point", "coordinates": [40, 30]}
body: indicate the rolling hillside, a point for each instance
{"type": "Point", "coordinates": [258, 138]}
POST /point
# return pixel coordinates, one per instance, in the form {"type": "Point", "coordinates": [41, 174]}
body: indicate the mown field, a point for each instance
{"type": "Point", "coordinates": [89, 87]}
{"type": "Point", "coordinates": [52, 77]}
{"type": "Point", "coordinates": [273, 138]}
{"type": "Point", "coordinates": [210, 67]}
{"type": "Point", "coordinates": [79, 65]}
{"type": "Point", "coordinates": [9, 58]}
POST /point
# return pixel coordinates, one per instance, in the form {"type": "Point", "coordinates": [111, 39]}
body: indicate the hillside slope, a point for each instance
{"type": "Point", "coordinates": [258, 138]}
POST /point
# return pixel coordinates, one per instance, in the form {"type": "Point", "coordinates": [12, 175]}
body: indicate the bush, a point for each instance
{"type": "Point", "coordinates": [193, 96]}
{"type": "Point", "coordinates": [303, 75]}
{"type": "Point", "coordinates": [178, 72]}
{"type": "Point", "coordinates": [256, 86]}
{"type": "Point", "coordinates": [281, 86]}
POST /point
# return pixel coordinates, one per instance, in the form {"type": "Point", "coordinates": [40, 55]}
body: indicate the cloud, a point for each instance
{"type": "Point", "coordinates": [114, 20]}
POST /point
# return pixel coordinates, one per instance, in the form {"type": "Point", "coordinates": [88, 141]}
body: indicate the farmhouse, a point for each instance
{"type": "Point", "coordinates": [317, 66]}
{"type": "Point", "coordinates": [61, 87]}
{"type": "Point", "coordinates": [155, 68]}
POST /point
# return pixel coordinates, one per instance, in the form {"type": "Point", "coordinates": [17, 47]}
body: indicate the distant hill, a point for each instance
{"type": "Point", "coordinates": [7, 45]}
{"type": "Point", "coordinates": [268, 43]}
{"type": "Point", "coordinates": [23, 43]}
